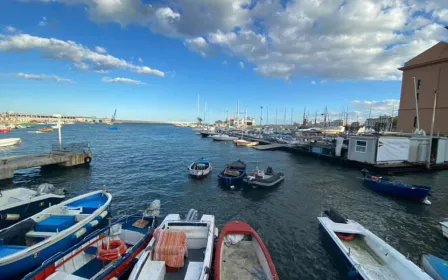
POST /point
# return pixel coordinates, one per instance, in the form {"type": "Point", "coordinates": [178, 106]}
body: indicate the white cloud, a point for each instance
{"type": "Point", "coordinates": [241, 65]}
{"type": "Point", "coordinates": [379, 108]}
{"type": "Point", "coordinates": [119, 80]}
{"type": "Point", "coordinates": [140, 60]}
{"type": "Point", "coordinates": [10, 29]}
{"type": "Point", "coordinates": [43, 22]}
{"type": "Point", "coordinates": [199, 45]}
{"type": "Point", "coordinates": [41, 77]}
{"type": "Point", "coordinates": [82, 57]}
{"type": "Point", "coordinates": [313, 82]}
{"type": "Point", "coordinates": [100, 49]}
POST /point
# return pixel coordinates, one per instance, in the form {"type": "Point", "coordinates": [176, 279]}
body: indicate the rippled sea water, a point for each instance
{"type": "Point", "coordinates": [140, 163]}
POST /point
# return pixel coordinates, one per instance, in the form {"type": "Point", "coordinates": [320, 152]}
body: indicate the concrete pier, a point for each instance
{"type": "Point", "coordinates": [61, 158]}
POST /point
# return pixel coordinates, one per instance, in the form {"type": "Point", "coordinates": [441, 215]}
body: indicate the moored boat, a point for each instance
{"type": "Point", "coordinates": [20, 203]}
{"type": "Point", "coordinates": [384, 185]}
{"type": "Point", "coordinates": [232, 176]}
{"type": "Point", "coordinates": [27, 244]}
{"type": "Point", "coordinates": [223, 137]}
{"type": "Point", "coordinates": [200, 168]}
{"type": "Point", "coordinates": [104, 254]}
{"type": "Point", "coordinates": [241, 254]}
{"type": "Point", "coordinates": [45, 129]}
{"type": "Point", "coordinates": [366, 255]}
{"type": "Point", "coordinates": [245, 143]}
{"type": "Point", "coordinates": [10, 142]}
{"type": "Point", "coordinates": [444, 225]}
{"type": "Point", "coordinates": [436, 267]}
{"type": "Point", "coordinates": [264, 178]}
{"type": "Point", "coordinates": [4, 129]}
{"type": "Point", "coordinates": [180, 249]}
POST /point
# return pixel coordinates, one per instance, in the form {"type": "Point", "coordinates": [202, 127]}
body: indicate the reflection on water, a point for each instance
{"type": "Point", "coordinates": [140, 163]}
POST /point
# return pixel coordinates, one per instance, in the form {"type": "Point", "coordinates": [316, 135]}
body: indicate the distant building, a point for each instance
{"type": "Point", "coordinates": [379, 123]}
{"type": "Point", "coordinates": [240, 122]}
{"type": "Point", "coordinates": [430, 70]}
{"type": "Point", "coordinates": [336, 123]}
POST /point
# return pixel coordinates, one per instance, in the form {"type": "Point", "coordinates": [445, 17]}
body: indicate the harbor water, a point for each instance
{"type": "Point", "coordinates": [139, 163]}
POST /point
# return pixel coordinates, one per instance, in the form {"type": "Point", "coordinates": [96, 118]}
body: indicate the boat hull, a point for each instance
{"type": "Point", "coordinates": [436, 267]}
{"type": "Point", "coordinates": [5, 130]}
{"type": "Point", "coordinates": [264, 183]}
{"type": "Point", "coordinates": [229, 181]}
{"type": "Point", "coordinates": [10, 142]}
{"type": "Point", "coordinates": [444, 226]}
{"type": "Point", "coordinates": [398, 190]}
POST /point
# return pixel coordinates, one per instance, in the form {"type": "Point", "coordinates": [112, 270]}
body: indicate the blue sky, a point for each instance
{"type": "Point", "coordinates": [154, 60]}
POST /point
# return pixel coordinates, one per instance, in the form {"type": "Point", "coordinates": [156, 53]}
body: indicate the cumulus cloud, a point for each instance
{"type": "Point", "coordinates": [100, 49]}
{"type": "Point", "coordinates": [379, 108]}
{"type": "Point", "coordinates": [140, 60]}
{"type": "Point", "coordinates": [43, 22]}
{"type": "Point", "coordinates": [10, 29]}
{"type": "Point", "coordinates": [241, 65]}
{"type": "Point", "coordinates": [82, 57]}
{"type": "Point", "coordinates": [119, 80]}
{"type": "Point", "coordinates": [199, 45]}
{"type": "Point", "coordinates": [41, 77]}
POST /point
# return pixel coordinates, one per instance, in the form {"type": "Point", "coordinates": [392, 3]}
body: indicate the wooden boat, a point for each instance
{"type": "Point", "coordinates": [241, 254]}
{"type": "Point", "coordinates": [366, 255]}
{"type": "Point", "coordinates": [223, 137]}
{"type": "Point", "coordinates": [232, 176]}
{"type": "Point", "coordinates": [264, 179]}
{"type": "Point", "coordinates": [200, 168]}
{"type": "Point", "coordinates": [27, 244]}
{"type": "Point", "coordinates": [410, 192]}
{"type": "Point", "coordinates": [444, 225]}
{"type": "Point", "coordinates": [436, 267]}
{"type": "Point", "coordinates": [20, 203]}
{"type": "Point", "coordinates": [45, 129]}
{"type": "Point", "coordinates": [245, 143]}
{"type": "Point", "coordinates": [104, 254]}
{"type": "Point", "coordinates": [180, 249]}
{"type": "Point", "coordinates": [10, 142]}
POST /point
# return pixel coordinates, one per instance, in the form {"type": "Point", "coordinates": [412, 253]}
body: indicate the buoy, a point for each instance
{"type": "Point", "coordinates": [117, 248]}
{"type": "Point", "coordinates": [345, 236]}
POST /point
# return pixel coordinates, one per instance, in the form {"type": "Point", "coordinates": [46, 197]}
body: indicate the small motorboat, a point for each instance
{"type": "Point", "coordinates": [444, 225]}
{"type": "Point", "coordinates": [245, 143]}
{"type": "Point", "coordinates": [57, 126]}
{"type": "Point", "coordinates": [200, 168]}
{"type": "Point", "coordinates": [232, 176]}
{"type": "Point", "coordinates": [241, 254]}
{"type": "Point", "coordinates": [367, 255]}
{"type": "Point", "coordinates": [4, 129]}
{"type": "Point", "coordinates": [20, 203]}
{"type": "Point", "coordinates": [264, 179]}
{"type": "Point", "coordinates": [113, 127]}
{"type": "Point", "coordinates": [10, 142]}
{"type": "Point", "coordinates": [436, 267]}
{"type": "Point", "coordinates": [45, 129]}
{"type": "Point", "coordinates": [205, 134]}
{"type": "Point", "coordinates": [27, 244]}
{"type": "Point", "coordinates": [180, 249]}
{"type": "Point", "coordinates": [384, 185]}
{"type": "Point", "coordinates": [223, 137]}
{"type": "Point", "coordinates": [107, 253]}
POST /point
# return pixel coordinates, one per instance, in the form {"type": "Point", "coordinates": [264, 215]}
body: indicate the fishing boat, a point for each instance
{"type": "Point", "coordinates": [232, 176]}
{"type": "Point", "coordinates": [112, 125]}
{"type": "Point", "coordinates": [45, 129]}
{"type": "Point", "coordinates": [245, 143]}
{"type": "Point", "coordinates": [57, 126]}
{"type": "Point", "coordinates": [104, 254]}
{"type": "Point", "coordinates": [223, 137]}
{"type": "Point", "coordinates": [366, 255]}
{"type": "Point", "coordinates": [27, 244]}
{"type": "Point", "coordinates": [20, 203]}
{"type": "Point", "coordinates": [386, 186]}
{"type": "Point", "coordinates": [436, 267]}
{"type": "Point", "coordinates": [444, 225]}
{"type": "Point", "coordinates": [287, 140]}
{"type": "Point", "coordinates": [180, 249]}
{"type": "Point", "coordinates": [4, 129]}
{"type": "Point", "coordinates": [200, 168]}
{"type": "Point", "coordinates": [264, 178]}
{"type": "Point", "coordinates": [241, 254]}
{"type": "Point", "coordinates": [10, 142]}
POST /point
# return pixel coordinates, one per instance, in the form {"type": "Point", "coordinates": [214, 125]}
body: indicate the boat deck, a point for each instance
{"type": "Point", "coordinates": [371, 264]}
{"type": "Point", "coordinates": [194, 255]}
{"type": "Point", "coordinates": [239, 261]}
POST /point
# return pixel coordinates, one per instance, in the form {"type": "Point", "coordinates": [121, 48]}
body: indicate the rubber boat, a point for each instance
{"type": "Point", "coordinates": [27, 244]}
{"type": "Point", "coordinates": [232, 176]}
{"type": "Point", "coordinates": [20, 203]}
{"type": "Point", "coordinates": [241, 254]}
{"type": "Point", "coordinates": [104, 254]}
{"type": "Point", "coordinates": [180, 249]}
{"type": "Point", "coordinates": [366, 255]}
{"type": "Point", "coordinates": [386, 186]}
{"type": "Point", "coordinates": [200, 168]}
{"type": "Point", "coordinates": [444, 225]}
{"type": "Point", "coordinates": [436, 267]}
{"type": "Point", "coordinates": [10, 142]}
{"type": "Point", "coordinates": [223, 137]}
{"type": "Point", "coordinates": [245, 143]}
{"type": "Point", "coordinates": [264, 179]}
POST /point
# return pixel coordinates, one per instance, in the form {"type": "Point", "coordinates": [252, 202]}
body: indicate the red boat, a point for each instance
{"type": "Point", "coordinates": [5, 129]}
{"type": "Point", "coordinates": [241, 254]}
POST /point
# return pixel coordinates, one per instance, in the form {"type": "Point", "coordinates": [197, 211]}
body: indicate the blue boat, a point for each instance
{"type": "Point", "coordinates": [104, 254]}
{"type": "Point", "coordinates": [386, 186]}
{"type": "Point", "coordinates": [436, 267]}
{"type": "Point", "coordinates": [232, 176]}
{"type": "Point", "coordinates": [27, 244]}
{"type": "Point", "coordinates": [113, 127]}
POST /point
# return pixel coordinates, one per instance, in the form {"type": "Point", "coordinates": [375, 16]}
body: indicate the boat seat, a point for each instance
{"type": "Point", "coordinates": [81, 217]}
{"type": "Point", "coordinates": [6, 250]}
{"type": "Point", "coordinates": [55, 223]}
{"type": "Point", "coordinates": [153, 270]}
{"type": "Point", "coordinates": [39, 234]}
{"type": "Point", "coordinates": [60, 275]}
{"type": "Point", "coordinates": [345, 228]}
{"type": "Point", "coordinates": [194, 270]}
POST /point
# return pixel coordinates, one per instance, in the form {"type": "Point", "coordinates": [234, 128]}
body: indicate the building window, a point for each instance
{"type": "Point", "coordinates": [361, 146]}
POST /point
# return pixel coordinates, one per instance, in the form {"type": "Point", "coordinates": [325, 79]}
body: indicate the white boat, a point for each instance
{"type": "Point", "coordinates": [56, 126]}
{"type": "Point", "coordinates": [180, 249]}
{"type": "Point", "coordinates": [245, 143]}
{"type": "Point", "coordinates": [200, 168]}
{"type": "Point", "coordinates": [367, 254]}
{"type": "Point", "coordinates": [444, 225]}
{"type": "Point", "coordinates": [223, 137]}
{"type": "Point", "coordinates": [333, 130]}
{"type": "Point", "coordinates": [10, 142]}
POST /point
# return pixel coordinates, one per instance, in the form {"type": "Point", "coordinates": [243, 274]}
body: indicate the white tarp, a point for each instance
{"type": "Point", "coordinates": [392, 149]}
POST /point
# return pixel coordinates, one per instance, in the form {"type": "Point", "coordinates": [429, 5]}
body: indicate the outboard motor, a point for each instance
{"type": "Point", "coordinates": [335, 216]}
{"type": "Point", "coordinates": [192, 215]}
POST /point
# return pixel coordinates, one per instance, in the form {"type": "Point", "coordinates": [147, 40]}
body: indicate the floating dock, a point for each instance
{"type": "Point", "coordinates": [66, 156]}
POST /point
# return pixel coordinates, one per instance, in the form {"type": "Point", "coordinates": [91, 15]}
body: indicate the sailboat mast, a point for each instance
{"type": "Point", "coordinates": [198, 107]}
{"type": "Point", "coordinates": [205, 110]}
